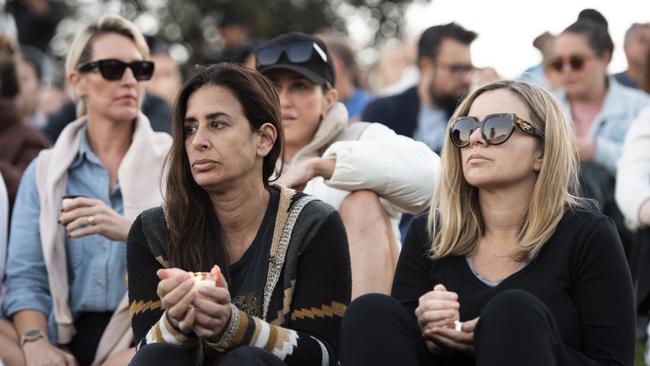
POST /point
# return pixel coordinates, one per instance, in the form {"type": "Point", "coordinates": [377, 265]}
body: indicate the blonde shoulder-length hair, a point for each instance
{"type": "Point", "coordinates": [455, 221]}
{"type": "Point", "coordinates": [81, 48]}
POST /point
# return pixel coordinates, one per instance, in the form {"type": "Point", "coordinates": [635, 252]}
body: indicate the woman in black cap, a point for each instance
{"type": "Point", "coordinates": [365, 170]}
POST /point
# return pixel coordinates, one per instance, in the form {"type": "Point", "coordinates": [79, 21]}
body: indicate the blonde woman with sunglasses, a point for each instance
{"type": "Point", "coordinates": [65, 281]}
{"type": "Point", "coordinates": [508, 267]}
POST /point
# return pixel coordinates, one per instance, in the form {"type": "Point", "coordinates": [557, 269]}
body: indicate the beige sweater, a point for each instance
{"type": "Point", "coordinates": [139, 175]}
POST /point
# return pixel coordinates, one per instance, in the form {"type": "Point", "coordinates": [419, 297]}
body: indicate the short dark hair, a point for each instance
{"type": "Point", "coordinates": [432, 38]}
{"type": "Point", "coordinates": [634, 27]}
{"type": "Point", "coordinates": [596, 32]}
{"type": "Point", "coordinates": [35, 58]}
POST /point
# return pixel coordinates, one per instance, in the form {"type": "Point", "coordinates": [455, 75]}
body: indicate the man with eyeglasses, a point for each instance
{"type": "Point", "coordinates": [422, 112]}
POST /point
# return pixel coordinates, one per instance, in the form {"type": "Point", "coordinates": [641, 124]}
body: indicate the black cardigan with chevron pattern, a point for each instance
{"type": "Point", "coordinates": [306, 297]}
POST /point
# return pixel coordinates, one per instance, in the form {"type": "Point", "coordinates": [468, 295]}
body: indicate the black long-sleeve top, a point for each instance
{"type": "Point", "coordinates": [580, 274]}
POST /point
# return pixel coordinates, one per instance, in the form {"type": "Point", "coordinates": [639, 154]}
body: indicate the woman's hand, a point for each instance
{"type": "Point", "coordinates": [437, 314]}
{"type": "Point", "coordinates": [459, 340]}
{"type": "Point", "coordinates": [176, 295]}
{"type": "Point", "coordinates": [213, 309]}
{"type": "Point", "coordinates": [299, 174]}
{"type": "Point", "coordinates": [437, 308]}
{"type": "Point", "coordinates": [42, 352]}
{"type": "Point", "coordinates": [84, 216]}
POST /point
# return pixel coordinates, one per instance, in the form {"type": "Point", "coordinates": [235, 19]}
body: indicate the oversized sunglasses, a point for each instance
{"type": "Point", "coordinates": [495, 128]}
{"type": "Point", "coordinates": [114, 69]}
{"type": "Point", "coordinates": [297, 52]}
{"type": "Point", "coordinates": [576, 62]}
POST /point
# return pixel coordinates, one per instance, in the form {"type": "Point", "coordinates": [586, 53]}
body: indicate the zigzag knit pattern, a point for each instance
{"type": "Point", "coordinates": [336, 309]}
{"type": "Point", "coordinates": [138, 307]}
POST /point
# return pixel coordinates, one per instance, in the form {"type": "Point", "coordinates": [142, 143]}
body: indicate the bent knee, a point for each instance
{"type": "Point", "coordinates": [248, 355]}
{"type": "Point", "coordinates": [513, 306]}
{"type": "Point", "coordinates": [160, 353]}
{"type": "Point", "coordinates": [361, 204]}
{"type": "Point", "coordinates": [370, 309]}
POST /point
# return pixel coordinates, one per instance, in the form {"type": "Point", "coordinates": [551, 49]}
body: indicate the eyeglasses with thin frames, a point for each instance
{"type": "Point", "coordinates": [457, 69]}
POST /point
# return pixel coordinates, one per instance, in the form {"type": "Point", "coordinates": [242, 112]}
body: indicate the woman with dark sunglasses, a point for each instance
{"type": "Point", "coordinates": [66, 288]}
{"type": "Point", "coordinates": [365, 170]}
{"type": "Point", "coordinates": [600, 108]}
{"type": "Point", "coordinates": [508, 267]}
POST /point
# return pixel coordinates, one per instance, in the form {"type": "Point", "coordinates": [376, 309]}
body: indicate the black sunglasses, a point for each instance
{"type": "Point", "coordinates": [114, 69]}
{"type": "Point", "coordinates": [495, 128]}
{"type": "Point", "coordinates": [576, 62]}
{"type": "Point", "coordinates": [297, 52]}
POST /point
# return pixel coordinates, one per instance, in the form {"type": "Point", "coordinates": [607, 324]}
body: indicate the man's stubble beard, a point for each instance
{"type": "Point", "coordinates": [446, 102]}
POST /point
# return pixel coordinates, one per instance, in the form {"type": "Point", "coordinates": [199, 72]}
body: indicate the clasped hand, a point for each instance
{"type": "Point", "coordinates": [437, 312]}
{"type": "Point", "coordinates": [204, 311]}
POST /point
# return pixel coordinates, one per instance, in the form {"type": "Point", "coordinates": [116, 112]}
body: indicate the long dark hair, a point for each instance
{"type": "Point", "coordinates": [195, 240]}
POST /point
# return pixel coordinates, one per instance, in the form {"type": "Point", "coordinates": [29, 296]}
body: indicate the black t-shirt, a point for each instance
{"type": "Point", "coordinates": [248, 274]}
{"type": "Point", "coordinates": [580, 274]}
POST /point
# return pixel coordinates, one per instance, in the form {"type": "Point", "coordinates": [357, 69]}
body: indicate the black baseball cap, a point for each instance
{"type": "Point", "coordinates": [307, 55]}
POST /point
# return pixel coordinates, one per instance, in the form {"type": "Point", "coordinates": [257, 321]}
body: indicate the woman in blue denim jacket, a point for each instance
{"type": "Point", "coordinates": [600, 108]}
{"type": "Point", "coordinates": [66, 266]}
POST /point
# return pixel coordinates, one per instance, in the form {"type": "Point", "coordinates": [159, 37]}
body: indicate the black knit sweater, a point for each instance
{"type": "Point", "coordinates": [580, 275]}
{"type": "Point", "coordinates": [304, 309]}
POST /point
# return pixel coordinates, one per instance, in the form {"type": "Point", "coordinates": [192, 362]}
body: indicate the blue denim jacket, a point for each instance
{"type": "Point", "coordinates": [620, 108]}
{"type": "Point", "coordinates": [96, 265]}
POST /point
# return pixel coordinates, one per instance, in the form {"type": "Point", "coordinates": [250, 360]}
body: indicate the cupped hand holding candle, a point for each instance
{"type": "Point", "coordinates": [213, 308]}
{"type": "Point", "coordinates": [196, 302]}
{"type": "Point", "coordinates": [176, 296]}
{"type": "Point", "coordinates": [438, 317]}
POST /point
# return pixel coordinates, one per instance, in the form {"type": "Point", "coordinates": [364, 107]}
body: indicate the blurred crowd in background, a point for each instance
{"type": "Point", "coordinates": [412, 81]}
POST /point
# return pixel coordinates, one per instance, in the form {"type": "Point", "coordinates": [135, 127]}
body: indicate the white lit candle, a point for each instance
{"type": "Point", "coordinates": [202, 279]}
{"type": "Point", "coordinates": [458, 326]}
